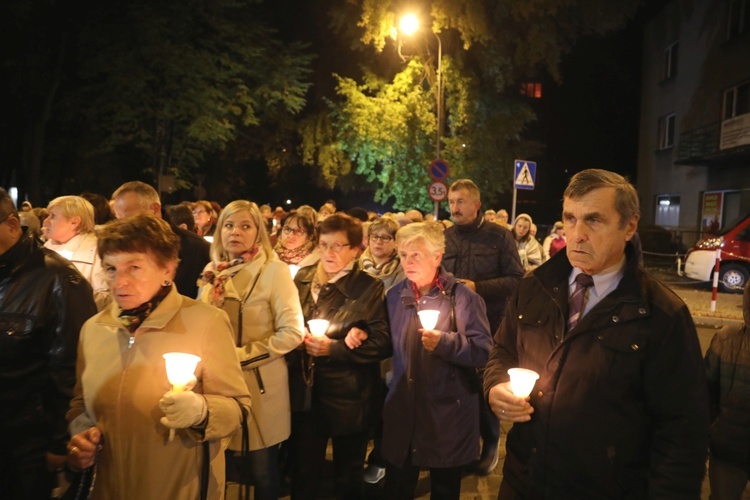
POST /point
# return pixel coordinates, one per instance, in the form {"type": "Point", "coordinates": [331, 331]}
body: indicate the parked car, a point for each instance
{"type": "Point", "coordinates": [734, 269]}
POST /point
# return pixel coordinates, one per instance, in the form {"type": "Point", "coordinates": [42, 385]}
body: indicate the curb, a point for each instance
{"type": "Point", "coordinates": [715, 321]}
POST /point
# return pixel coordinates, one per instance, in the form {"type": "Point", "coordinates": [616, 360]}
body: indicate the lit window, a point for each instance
{"type": "Point", "coordinates": [736, 101]}
{"type": "Point", "coordinates": [670, 61]}
{"type": "Point", "coordinates": [533, 90]}
{"type": "Point", "coordinates": [666, 131]}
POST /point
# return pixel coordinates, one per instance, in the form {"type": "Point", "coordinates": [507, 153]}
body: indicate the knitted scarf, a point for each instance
{"type": "Point", "coordinates": [382, 270]}
{"type": "Point", "coordinates": [295, 255]}
{"type": "Point", "coordinates": [214, 277]}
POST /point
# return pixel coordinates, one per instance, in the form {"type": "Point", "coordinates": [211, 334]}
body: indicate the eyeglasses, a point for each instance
{"type": "Point", "coordinates": [384, 239]}
{"type": "Point", "coordinates": [336, 247]}
{"type": "Point", "coordinates": [297, 232]}
{"type": "Point", "coordinates": [196, 212]}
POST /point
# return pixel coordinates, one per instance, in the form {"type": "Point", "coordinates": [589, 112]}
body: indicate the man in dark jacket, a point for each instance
{"type": "Point", "coordinates": [138, 197]}
{"type": "Point", "coordinates": [44, 300]}
{"type": "Point", "coordinates": [484, 257]}
{"type": "Point", "coordinates": [621, 406]}
{"type": "Point", "coordinates": [728, 372]}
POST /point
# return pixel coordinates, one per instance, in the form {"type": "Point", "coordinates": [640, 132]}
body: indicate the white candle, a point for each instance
{"type": "Point", "coordinates": [522, 381]}
{"type": "Point", "coordinates": [428, 318]}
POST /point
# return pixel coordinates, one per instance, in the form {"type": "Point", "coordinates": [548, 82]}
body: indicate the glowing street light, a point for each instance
{"type": "Point", "coordinates": [408, 25]}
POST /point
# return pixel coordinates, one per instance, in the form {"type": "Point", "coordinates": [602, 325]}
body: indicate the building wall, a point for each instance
{"type": "Point", "coordinates": [708, 64]}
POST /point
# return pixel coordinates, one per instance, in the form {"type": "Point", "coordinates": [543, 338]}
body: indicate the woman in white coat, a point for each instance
{"type": "Point", "coordinates": [70, 232]}
{"type": "Point", "coordinates": [246, 280]}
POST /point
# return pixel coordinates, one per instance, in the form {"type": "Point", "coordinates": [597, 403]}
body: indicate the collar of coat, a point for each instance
{"type": "Point", "coordinates": [473, 227]}
{"type": "Point", "coordinates": [346, 285]}
{"type": "Point", "coordinates": [631, 298]}
{"type": "Point", "coordinates": [446, 279]}
{"type": "Point", "coordinates": [157, 320]}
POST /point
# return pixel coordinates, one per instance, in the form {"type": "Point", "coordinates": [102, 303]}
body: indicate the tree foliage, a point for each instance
{"type": "Point", "coordinates": [177, 80]}
{"type": "Point", "coordinates": [386, 125]}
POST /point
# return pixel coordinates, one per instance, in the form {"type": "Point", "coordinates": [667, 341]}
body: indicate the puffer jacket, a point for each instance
{"type": "Point", "coordinates": [728, 372]}
{"type": "Point", "coordinates": [44, 301]}
{"type": "Point", "coordinates": [432, 408]}
{"type": "Point", "coordinates": [344, 382]}
{"type": "Point", "coordinates": [621, 405]}
{"type": "Point", "coordinates": [486, 254]}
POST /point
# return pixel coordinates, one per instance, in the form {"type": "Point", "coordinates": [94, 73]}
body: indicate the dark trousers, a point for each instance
{"type": "Point", "coordinates": [260, 468]}
{"type": "Point", "coordinates": [310, 453]}
{"type": "Point", "coordinates": [400, 483]}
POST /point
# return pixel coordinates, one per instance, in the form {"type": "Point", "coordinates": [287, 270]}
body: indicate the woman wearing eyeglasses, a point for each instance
{"type": "Point", "coordinates": [247, 281]}
{"type": "Point", "coordinates": [296, 246]}
{"type": "Point", "coordinates": [380, 258]}
{"type": "Point", "coordinates": [332, 387]}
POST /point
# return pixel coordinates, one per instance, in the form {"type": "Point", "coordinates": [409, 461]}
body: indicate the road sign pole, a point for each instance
{"type": "Point", "coordinates": [513, 211]}
{"type": "Point", "coordinates": [437, 208]}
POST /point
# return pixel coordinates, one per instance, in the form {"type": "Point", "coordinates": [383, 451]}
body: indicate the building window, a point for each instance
{"type": "Point", "coordinates": [671, 54]}
{"type": "Point", "coordinates": [667, 210]}
{"type": "Point", "coordinates": [739, 18]}
{"type": "Point", "coordinates": [532, 89]}
{"type": "Point", "coordinates": [666, 131]}
{"type": "Point", "coordinates": [736, 101]}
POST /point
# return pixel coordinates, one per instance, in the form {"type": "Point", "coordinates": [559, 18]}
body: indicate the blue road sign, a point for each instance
{"type": "Point", "coordinates": [439, 170]}
{"type": "Point", "coordinates": [525, 177]}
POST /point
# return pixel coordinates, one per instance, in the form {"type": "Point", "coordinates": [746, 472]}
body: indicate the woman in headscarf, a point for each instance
{"type": "Point", "coordinates": [247, 281]}
{"type": "Point", "coordinates": [528, 248]}
{"type": "Point", "coordinates": [125, 406]}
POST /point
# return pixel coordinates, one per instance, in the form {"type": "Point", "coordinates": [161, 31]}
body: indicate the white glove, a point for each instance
{"type": "Point", "coordinates": [183, 409]}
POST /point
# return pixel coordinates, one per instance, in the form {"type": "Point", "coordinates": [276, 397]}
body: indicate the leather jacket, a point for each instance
{"type": "Point", "coordinates": [44, 301]}
{"type": "Point", "coordinates": [344, 382]}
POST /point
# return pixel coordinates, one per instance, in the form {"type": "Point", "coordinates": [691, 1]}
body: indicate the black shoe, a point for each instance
{"type": "Point", "coordinates": [488, 459]}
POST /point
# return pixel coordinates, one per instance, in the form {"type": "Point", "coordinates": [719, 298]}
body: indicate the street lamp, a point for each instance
{"type": "Point", "coordinates": [409, 25]}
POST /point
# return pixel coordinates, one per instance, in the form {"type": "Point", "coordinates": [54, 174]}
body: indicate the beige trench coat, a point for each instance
{"type": "Point", "coordinates": [272, 325]}
{"type": "Point", "coordinates": [119, 386]}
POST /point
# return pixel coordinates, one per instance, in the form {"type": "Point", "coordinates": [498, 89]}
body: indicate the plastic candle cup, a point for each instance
{"type": "Point", "coordinates": [318, 327]}
{"type": "Point", "coordinates": [180, 372]}
{"type": "Point", "coordinates": [428, 318]}
{"type": "Point", "coordinates": [522, 381]}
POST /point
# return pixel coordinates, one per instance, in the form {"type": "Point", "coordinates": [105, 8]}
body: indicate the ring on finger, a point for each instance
{"type": "Point", "coordinates": [73, 449]}
{"type": "Point", "coordinates": [503, 411]}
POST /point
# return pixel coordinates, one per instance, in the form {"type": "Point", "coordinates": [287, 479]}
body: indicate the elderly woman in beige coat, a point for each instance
{"type": "Point", "coordinates": [248, 281]}
{"type": "Point", "coordinates": [144, 437]}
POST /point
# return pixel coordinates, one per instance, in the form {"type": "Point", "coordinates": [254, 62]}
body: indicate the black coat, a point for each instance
{"type": "Point", "coordinates": [194, 255]}
{"type": "Point", "coordinates": [728, 372]}
{"type": "Point", "coordinates": [346, 381]}
{"type": "Point", "coordinates": [44, 301]}
{"type": "Point", "coordinates": [621, 407]}
{"type": "Point", "coordinates": [485, 253]}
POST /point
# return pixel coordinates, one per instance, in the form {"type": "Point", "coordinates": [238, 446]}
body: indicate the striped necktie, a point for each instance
{"type": "Point", "coordinates": [577, 300]}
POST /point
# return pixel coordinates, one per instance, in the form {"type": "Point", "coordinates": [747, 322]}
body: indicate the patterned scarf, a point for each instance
{"type": "Point", "coordinates": [296, 255]}
{"type": "Point", "coordinates": [379, 271]}
{"type": "Point", "coordinates": [218, 280]}
{"type": "Point", "coordinates": [131, 319]}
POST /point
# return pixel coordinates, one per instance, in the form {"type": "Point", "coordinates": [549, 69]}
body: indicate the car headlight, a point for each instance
{"type": "Point", "coordinates": [710, 243]}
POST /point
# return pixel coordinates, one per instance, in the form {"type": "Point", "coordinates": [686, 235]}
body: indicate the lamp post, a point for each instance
{"type": "Point", "coordinates": [409, 25]}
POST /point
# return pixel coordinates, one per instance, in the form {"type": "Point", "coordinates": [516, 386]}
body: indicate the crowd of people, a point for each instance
{"type": "Point", "coordinates": [313, 326]}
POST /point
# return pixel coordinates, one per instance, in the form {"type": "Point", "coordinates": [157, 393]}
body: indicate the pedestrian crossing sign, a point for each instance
{"type": "Point", "coordinates": [525, 177]}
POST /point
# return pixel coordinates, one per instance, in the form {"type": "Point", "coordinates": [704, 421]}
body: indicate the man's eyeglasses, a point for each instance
{"type": "Point", "coordinates": [377, 237]}
{"type": "Point", "coordinates": [297, 232]}
{"type": "Point", "coordinates": [336, 247]}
